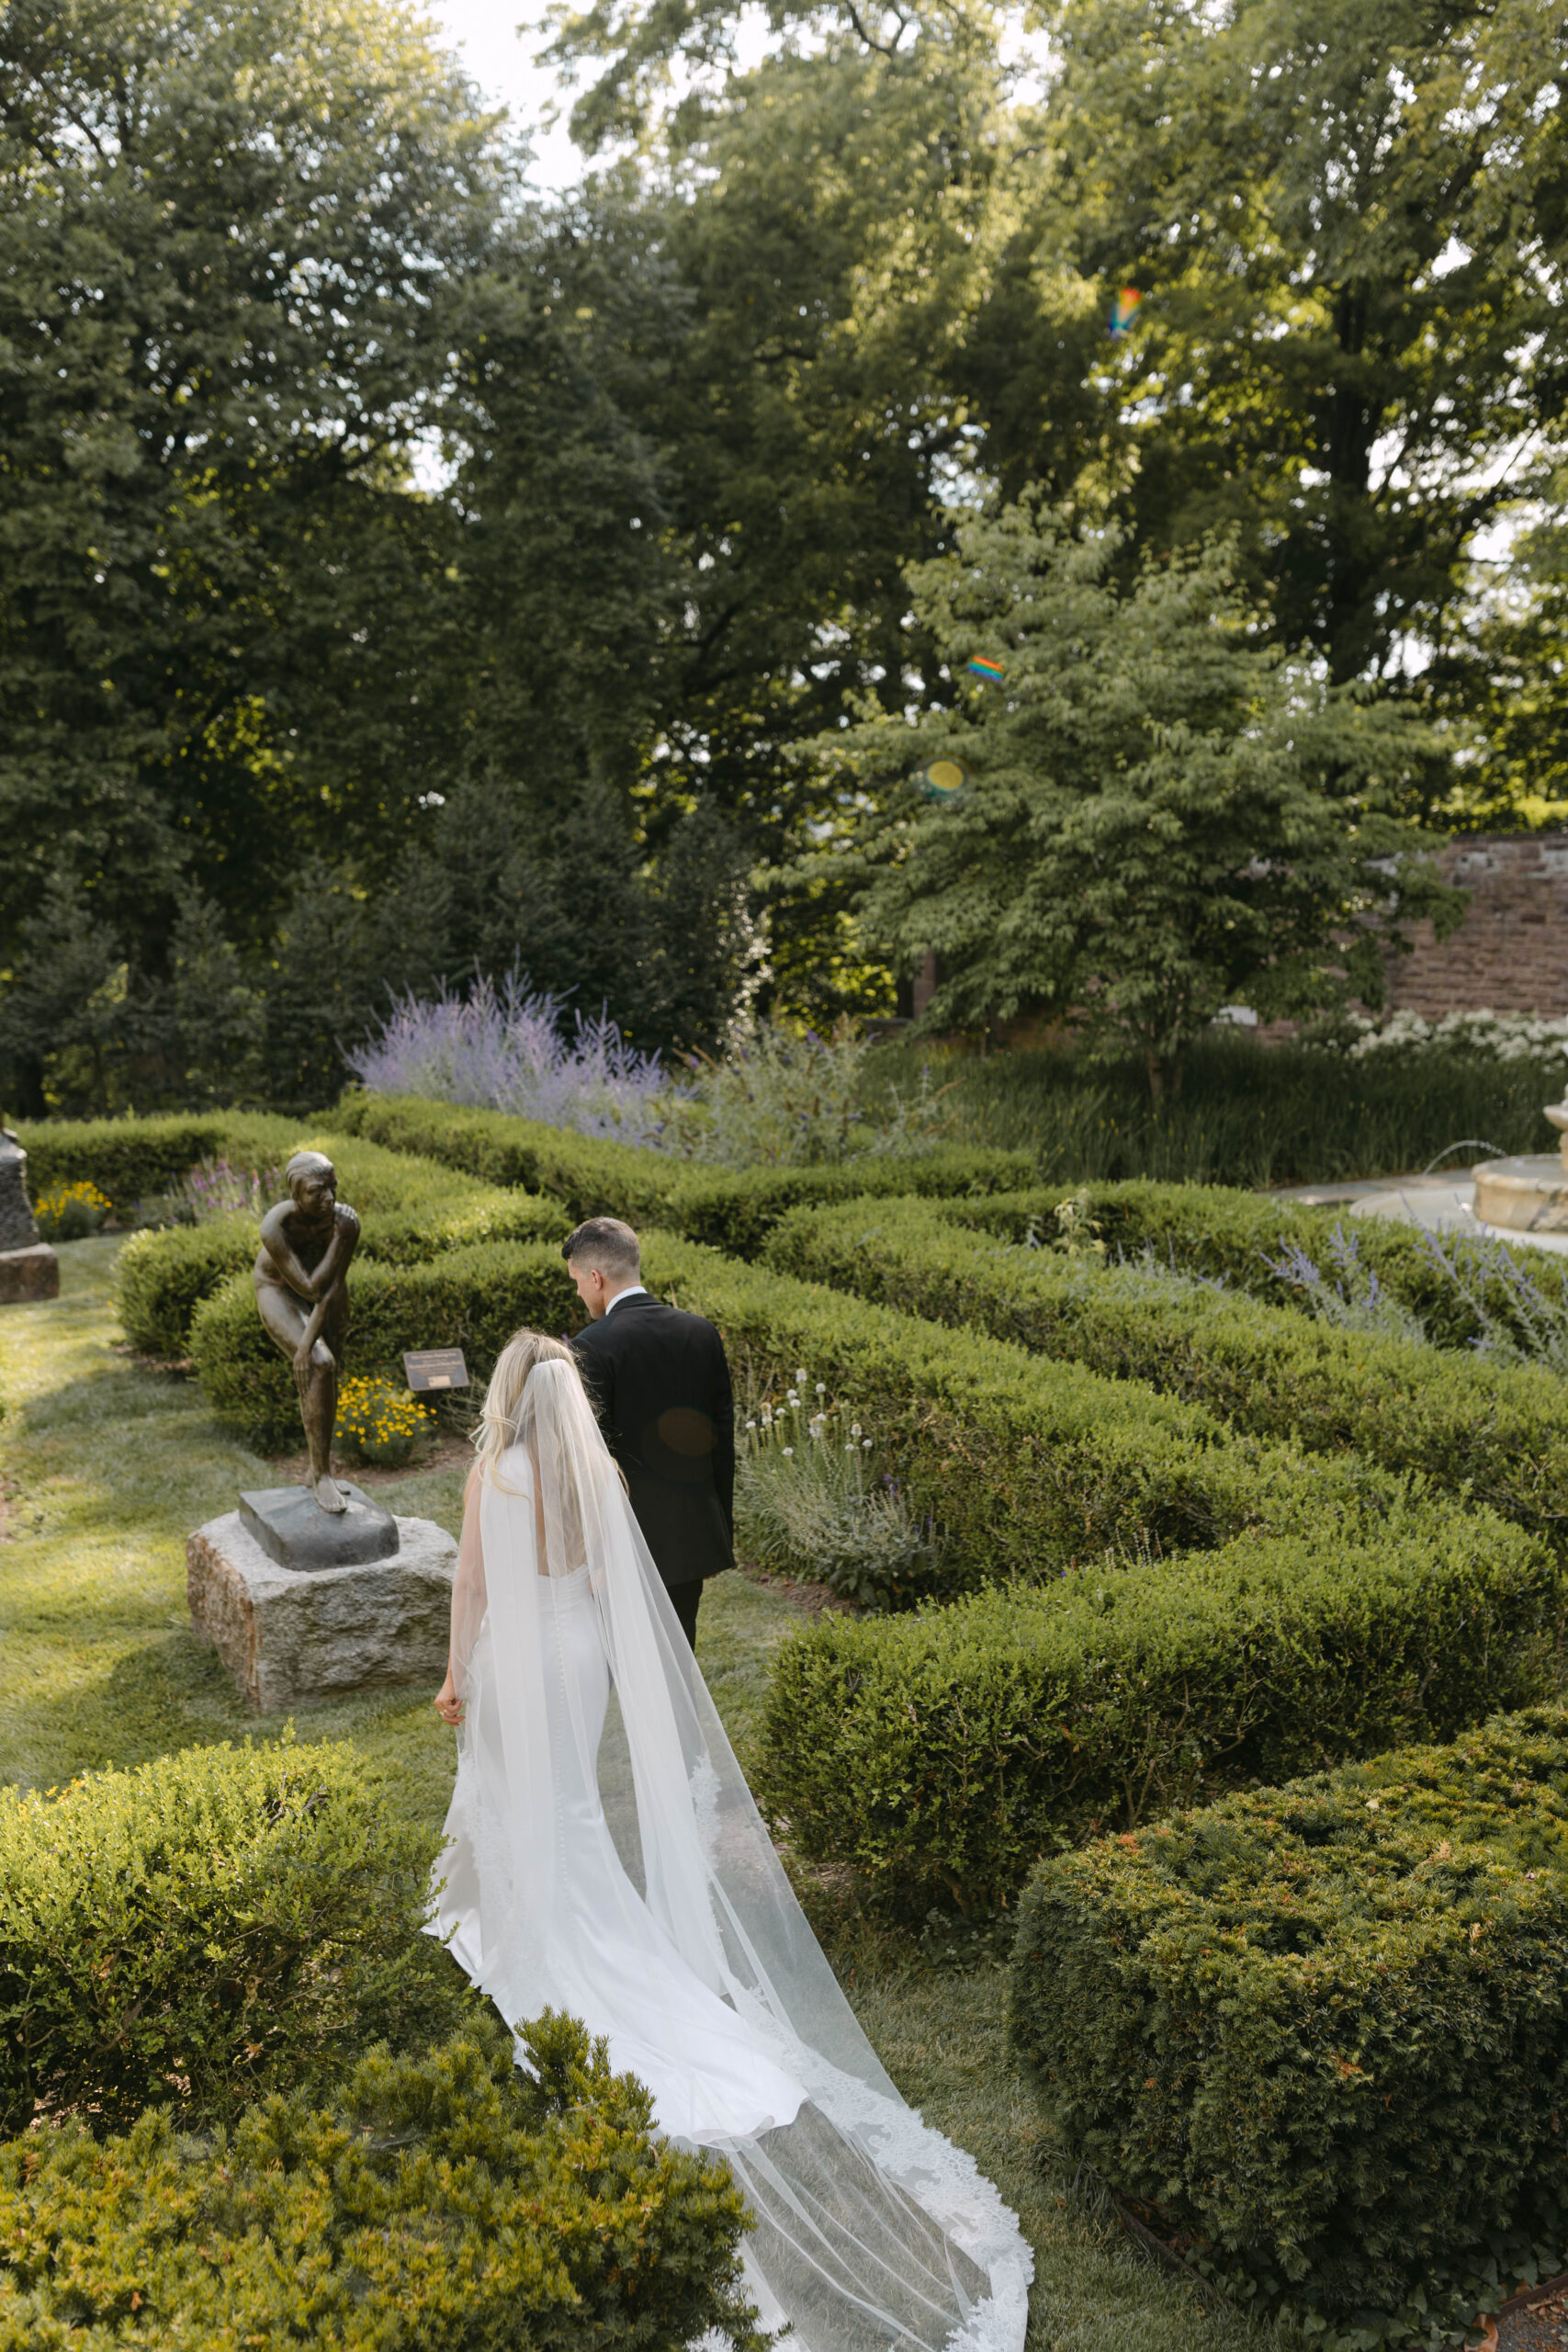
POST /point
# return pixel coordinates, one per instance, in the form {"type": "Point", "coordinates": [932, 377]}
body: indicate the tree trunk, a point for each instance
{"type": "Point", "coordinates": [1167, 1068]}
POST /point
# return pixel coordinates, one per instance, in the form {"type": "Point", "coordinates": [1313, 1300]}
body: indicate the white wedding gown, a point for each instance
{"type": "Point", "coordinates": [604, 1857]}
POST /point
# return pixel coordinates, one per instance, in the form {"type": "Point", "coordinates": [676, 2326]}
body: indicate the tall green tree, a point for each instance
{"type": "Point", "coordinates": [225, 235]}
{"type": "Point", "coordinates": [1348, 221]}
{"type": "Point", "coordinates": [839, 217]}
{"type": "Point", "coordinates": [1153, 815]}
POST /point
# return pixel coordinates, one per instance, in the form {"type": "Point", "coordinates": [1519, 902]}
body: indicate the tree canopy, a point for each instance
{"type": "Point", "coordinates": [1146, 814]}
{"type": "Point", "coordinates": [406, 578]}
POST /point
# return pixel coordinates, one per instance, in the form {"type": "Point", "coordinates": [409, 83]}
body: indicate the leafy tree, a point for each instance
{"type": "Point", "coordinates": [1501, 679]}
{"type": "Point", "coordinates": [1346, 219]}
{"type": "Point", "coordinates": [225, 232]}
{"type": "Point", "coordinates": [835, 218]}
{"type": "Point", "coordinates": [1162, 814]}
{"type": "Point", "coordinates": [565, 567]}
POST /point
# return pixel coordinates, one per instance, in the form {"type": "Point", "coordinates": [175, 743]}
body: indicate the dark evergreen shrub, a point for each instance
{"type": "Point", "coordinates": [732, 1209]}
{"type": "Point", "coordinates": [1323, 2027]}
{"type": "Point", "coordinates": [1494, 1432]}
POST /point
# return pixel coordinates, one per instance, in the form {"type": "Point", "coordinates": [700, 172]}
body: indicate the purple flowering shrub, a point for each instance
{"type": "Point", "coordinates": [776, 1098]}
{"type": "Point", "coordinates": [510, 1049]}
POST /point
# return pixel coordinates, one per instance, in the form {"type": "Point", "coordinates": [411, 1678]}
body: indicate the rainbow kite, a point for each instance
{"type": "Point", "coordinates": [1122, 310]}
{"type": "Point", "coordinates": [991, 672]}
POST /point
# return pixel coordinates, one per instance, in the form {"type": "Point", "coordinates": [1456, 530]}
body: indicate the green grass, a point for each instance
{"type": "Point", "coordinates": [105, 1466]}
{"type": "Point", "coordinates": [1249, 1115]}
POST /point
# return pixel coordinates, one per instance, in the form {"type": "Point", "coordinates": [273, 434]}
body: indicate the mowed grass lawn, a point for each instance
{"type": "Point", "coordinates": [105, 1466]}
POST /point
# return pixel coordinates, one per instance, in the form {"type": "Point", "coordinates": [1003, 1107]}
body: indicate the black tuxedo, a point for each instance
{"type": "Point", "coordinates": [661, 1387]}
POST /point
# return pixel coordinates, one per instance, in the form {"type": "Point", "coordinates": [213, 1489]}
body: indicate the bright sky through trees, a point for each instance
{"type": "Point", "coordinates": [501, 59]}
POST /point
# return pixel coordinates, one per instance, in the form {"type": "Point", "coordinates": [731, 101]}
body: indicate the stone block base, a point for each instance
{"type": "Point", "coordinates": [29, 1274]}
{"type": "Point", "coordinates": [289, 1637]}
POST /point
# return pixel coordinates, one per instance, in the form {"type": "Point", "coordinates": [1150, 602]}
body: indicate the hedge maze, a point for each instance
{"type": "Point", "coordinates": [1238, 1674]}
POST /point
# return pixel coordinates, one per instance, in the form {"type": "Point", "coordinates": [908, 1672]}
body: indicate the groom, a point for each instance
{"type": "Point", "coordinates": [661, 1384]}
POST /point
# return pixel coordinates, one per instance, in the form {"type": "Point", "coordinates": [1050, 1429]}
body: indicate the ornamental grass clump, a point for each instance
{"type": "Point", "coordinates": [71, 1212]}
{"type": "Point", "coordinates": [446, 2202]}
{"type": "Point", "coordinates": [1322, 2029]}
{"type": "Point", "coordinates": [379, 1423]}
{"type": "Point", "coordinates": [206, 1928]}
{"type": "Point", "coordinates": [814, 1501]}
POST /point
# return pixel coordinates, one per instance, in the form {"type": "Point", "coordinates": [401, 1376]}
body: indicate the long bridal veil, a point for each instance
{"type": "Point", "coordinates": [605, 1858]}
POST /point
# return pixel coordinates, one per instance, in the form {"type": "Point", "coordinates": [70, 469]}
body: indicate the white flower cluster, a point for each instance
{"type": "Point", "coordinates": [1507, 1036]}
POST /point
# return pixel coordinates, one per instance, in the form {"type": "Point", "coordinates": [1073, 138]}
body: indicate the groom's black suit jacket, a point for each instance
{"type": "Point", "coordinates": [660, 1385]}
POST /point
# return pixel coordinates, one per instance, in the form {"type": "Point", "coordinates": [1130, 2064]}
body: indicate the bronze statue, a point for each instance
{"type": "Point", "coordinates": [302, 1291]}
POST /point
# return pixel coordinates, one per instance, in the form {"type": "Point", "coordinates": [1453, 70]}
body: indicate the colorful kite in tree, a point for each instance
{"type": "Point", "coordinates": [991, 672]}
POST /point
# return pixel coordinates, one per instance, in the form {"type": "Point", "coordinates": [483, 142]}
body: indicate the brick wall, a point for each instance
{"type": "Point", "coordinates": [1511, 951]}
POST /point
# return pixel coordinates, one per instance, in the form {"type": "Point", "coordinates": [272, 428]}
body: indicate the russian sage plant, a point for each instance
{"type": "Point", "coordinates": [1348, 1294]}
{"type": "Point", "coordinates": [212, 1189]}
{"type": "Point", "coordinates": [508, 1049]}
{"type": "Point", "coordinates": [1518, 1321]}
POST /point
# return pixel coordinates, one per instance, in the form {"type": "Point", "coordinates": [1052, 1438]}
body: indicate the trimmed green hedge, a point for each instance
{"type": "Point", "coordinates": [732, 1209]}
{"type": "Point", "coordinates": [135, 1160]}
{"type": "Point", "coordinates": [160, 1279]}
{"type": "Point", "coordinates": [217, 1923]}
{"type": "Point", "coordinates": [1496, 1430]}
{"type": "Point", "coordinates": [1213, 1231]}
{"type": "Point", "coordinates": [447, 2203]}
{"type": "Point", "coordinates": [1324, 2027]}
{"type": "Point", "coordinates": [1030, 1467]}
{"type": "Point", "coordinates": [946, 1751]}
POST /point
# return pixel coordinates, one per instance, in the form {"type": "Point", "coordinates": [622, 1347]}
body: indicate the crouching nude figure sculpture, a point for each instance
{"type": "Point", "coordinates": [302, 1287]}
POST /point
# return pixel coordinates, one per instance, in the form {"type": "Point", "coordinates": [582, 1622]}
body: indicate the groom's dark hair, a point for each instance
{"type": "Point", "coordinates": [613, 1247]}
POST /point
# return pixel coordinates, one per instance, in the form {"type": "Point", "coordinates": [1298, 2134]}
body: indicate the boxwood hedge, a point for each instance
{"type": "Point", "coordinates": [1495, 1430]}
{"type": "Point", "coordinates": [1213, 1231]}
{"type": "Point", "coordinates": [161, 1278]}
{"type": "Point", "coordinates": [1029, 1466]}
{"type": "Point", "coordinates": [444, 2203]}
{"type": "Point", "coordinates": [730, 1208]}
{"type": "Point", "coordinates": [942, 1753]}
{"type": "Point", "coordinates": [206, 1927]}
{"type": "Point", "coordinates": [1323, 2027]}
{"type": "Point", "coordinates": [134, 1159]}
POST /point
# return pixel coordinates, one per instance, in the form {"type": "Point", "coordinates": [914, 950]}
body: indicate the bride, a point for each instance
{"type": "Point", "coordinates": [604, 1857]}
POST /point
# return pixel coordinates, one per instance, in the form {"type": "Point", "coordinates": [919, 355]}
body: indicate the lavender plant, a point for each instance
{"type": "Point", "coordinates": [1518, 1322]}
{"type": "Point", "coordinates": [813, 1501]}
{"type": "Point", "coordinates": [1349, 1295]}
{"type": "Point", "coordinates": [213, 1189]}
{"type": "Point", "coordinates": [509, 1049]}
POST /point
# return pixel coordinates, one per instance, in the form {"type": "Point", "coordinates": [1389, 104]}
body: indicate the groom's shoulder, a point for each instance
{"type": "Point", "coordinates": [648, 1318]}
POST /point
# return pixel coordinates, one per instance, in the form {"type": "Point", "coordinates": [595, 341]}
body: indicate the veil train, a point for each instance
{"type": "Point", "coordinates": [605, 1858]}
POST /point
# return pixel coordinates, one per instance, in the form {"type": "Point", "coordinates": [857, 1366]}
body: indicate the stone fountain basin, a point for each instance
{"type": "Point", "coordinates": [1527, 1195]}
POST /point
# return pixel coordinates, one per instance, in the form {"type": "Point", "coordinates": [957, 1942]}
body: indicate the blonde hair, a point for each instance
{"type": "Point", "coordinates": [501, 1417]}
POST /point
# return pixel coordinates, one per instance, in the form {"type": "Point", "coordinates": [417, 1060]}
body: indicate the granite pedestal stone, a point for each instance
{"type": "Point", "coordinates": [28, 1274]}
{"type": "Point", "coordinates": [28, 1267]}
{"type": "Point", "coordinates": [295, 1619]}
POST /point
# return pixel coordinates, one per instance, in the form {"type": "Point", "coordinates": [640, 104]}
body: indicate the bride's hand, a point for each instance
{"type": "Point", "coordinates": [447, 1704]}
